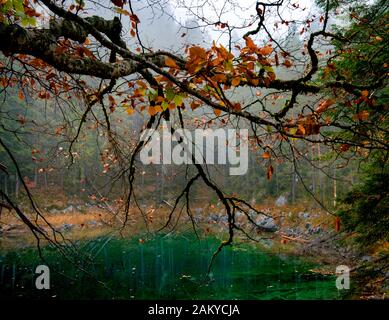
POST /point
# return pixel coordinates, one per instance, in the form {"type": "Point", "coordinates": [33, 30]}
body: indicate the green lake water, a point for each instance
{"type": "Point", "coordinates": [164, 268]}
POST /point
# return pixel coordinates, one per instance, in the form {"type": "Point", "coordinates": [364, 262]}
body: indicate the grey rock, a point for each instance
{"type": "Point", "coordinates": [66, 227]}
{"type": "Point", "coordinates": [281, 201]}
{"type": "Point", "coordinates": [267, 223]}
{"type": "Point", "coordinates": [68, 209]}
{"type": "Point", "coordinates": [198, 211]}
{"type": "Point", "coordinates": [366, 258]}
{"type": "Point", "coordinates": [239, 214]}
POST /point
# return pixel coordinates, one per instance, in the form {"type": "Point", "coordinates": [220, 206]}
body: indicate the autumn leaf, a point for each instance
{"type": "Point", "coordinates": [154, 110]}
{"type": "Point", "coordinates": [277, 61]}
{"type": "Point", "coordinates": [287, 63]}
{"type": "Point", "coordinates": [170, 63]}
{"type": "Point", "coordinates": [250, 44]}
{"type": "Point", "coordinates": [344, 147]}
{"type": "Point", "coordinates": [130, 111]}
{"type": "Point", "coordinates": [364, 93]}
{"type": "Point", "coordinates": [134, 18]}
{"type": "Point", "coordinates": [122, 11]}
{"type": "Point", "coordinates": [270, 171]}
{"type": "Point", "coordinates": [21, 95]}
{"type": "Point", "coordinates": [194, 105]}
{"type": "Point", "coordinates": [301, 130]}
{"type": "Point", "coordinates": [217, 112]}
{"type": "Point", "coordinates": [118, 3]}
{"type": "Point", "coordinates": [363, 115]}
{"type": "Point", "coordinates": [324, 105]}
{"type": "Point", "coordinates": [178, 100]}
{"type": "Point", "coordinates": [265, 51]}
{"type": "Point", "coordinates": [337, 224]}
{"type": "Point", "coordinates": [58, 130]}
{"type": "Point", "coordinates": [266, 155]}
{"type": "Point", "coordinates": [235, 81]}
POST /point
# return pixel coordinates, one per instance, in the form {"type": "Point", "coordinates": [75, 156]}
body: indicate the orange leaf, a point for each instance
{"type": "Point", "coordinates": [170, 63]}
{"type": "Point", "coordinates": [152, 111]}
{"type": "Point", "coordinates": [235, 81]}
{"type": "Point", "coordinates": [250, 44]}
{"type": "Point", "coordinates": [265, 51]}
{"type": "Point", "coordinates": [287, 63]}
{"type": "Point", "coordinates": [301, 130]}
{"type": "Point", "coordinates": [217, 112]}
{"type": "Point", "coordinates": [363, 115]}
{"type": "Point", "coordinates": [266, 155]}
{"type": "Point", "coordinates": [21, 95]}
{"type": "Point", "coordinates": [364, 93]}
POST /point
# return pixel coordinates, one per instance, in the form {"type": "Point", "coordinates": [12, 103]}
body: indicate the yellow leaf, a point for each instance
{"type": "Point", "coordinates": [130, 111]}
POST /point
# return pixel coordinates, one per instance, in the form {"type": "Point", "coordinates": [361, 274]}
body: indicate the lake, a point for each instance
{"type": "Point", "coordinates": [163, 267]}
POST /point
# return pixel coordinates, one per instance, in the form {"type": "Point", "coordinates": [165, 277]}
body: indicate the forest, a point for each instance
{"type": "Point", "coordinates": [123, 124]}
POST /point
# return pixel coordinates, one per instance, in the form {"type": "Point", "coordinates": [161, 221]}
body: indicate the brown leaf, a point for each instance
{"type": "Point", "coordinates": [337, 224]}
{"type": "Point", "coordinates": [324, 105]}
